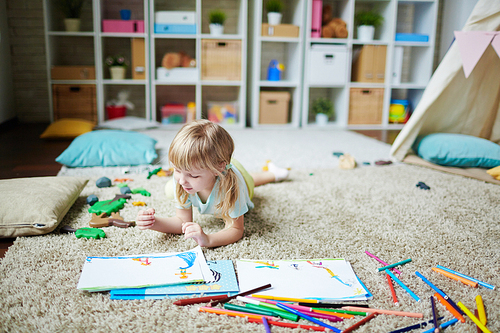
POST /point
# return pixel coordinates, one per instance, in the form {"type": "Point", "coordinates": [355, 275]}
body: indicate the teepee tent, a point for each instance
{"type": "Point", "coordinates": [452, 103]}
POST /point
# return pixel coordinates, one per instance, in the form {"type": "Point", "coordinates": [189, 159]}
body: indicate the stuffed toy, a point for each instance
{"type": "Point", "coordinates": [332, 27]}
{"type": "Point", "coordinates": [177, 59]}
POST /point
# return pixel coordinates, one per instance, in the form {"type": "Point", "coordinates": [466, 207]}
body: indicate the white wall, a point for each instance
{"type": "Point", "coordinates": [6, 92]}
{"type": "Point", "coordinates": [455, 14]}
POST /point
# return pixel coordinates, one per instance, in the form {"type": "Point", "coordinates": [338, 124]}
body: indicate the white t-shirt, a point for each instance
{"type": "Point", "coordinates": [243, 203]}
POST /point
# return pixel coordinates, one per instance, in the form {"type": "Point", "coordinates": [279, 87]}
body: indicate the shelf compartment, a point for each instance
{"type": "Point", "coordinates": [74, 101]}
{"type": "Point", "coordinates": [137, 96]}
{"type": "Point", "coordinates": [223, 104]}
{"type": "Point", "coordinates": [176, 46]}
{"type": "Point", "coordinates": [335, 95]}
{"type": "Point", "coordinates": [288, 54]}
{"type": "Point", "coordinates": [64, 51]}
{"type": "Point", "coordinates": [55, 17]}
{"type": "Point", "coordinates": [416, 17]}
{"type": "Point", "coordinates": [384, 8]}
{"type": "Point", "coordinates": [413, 96]}
{"type": "Point", "coordinates": [279, 100]}
{"type": "Point", "coordinates": [340, 9]}
{"type": "Point", "coordinates": [411, 65]}
{"type": "Point", "coordinates": [366, 106]}
{"type": "Point", "coordinates": [292, 13]}
{"type": "Point", "coordinates": [173, 94]}
{"type": "Point", "coordinates": [235, 16]}
{"type": "Point", "coordinates": [221, 59]}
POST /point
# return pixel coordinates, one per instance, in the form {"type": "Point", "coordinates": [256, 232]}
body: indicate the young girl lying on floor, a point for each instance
{"type": "Point", "coordinates": [207, 178]}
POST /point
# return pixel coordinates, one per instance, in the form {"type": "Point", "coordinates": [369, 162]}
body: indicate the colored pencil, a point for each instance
{"type": "Point", "coordinates": [481, 283]}
{"type": "Point", "coordinates": [476, 313]}
{"type": "Point", "coordinates": [450, 308]}
{"type": "Point", "coordinates": [434, 316]}
{"type": "Point", "coordinates": [455, 277]}
{"type": "Point", "coordinates": [382, 262]}
{"type": "Point", "coordinates": [340, 311]}
{"type": "Point", "coordinates": [303, 315]}
{"type": "Point", "coordinates": [331, 305]}
{"type": "Point", "coordinates": [414, 327]}
{"type": "Point", "coordinates": [333, 316]}
{"type": "Point", "coordinates": [286, 299]}
{"type": "Point", "coordinates": [389, 312]}
{"type": "Point", "coordinates": [227, 299]}
{"type": "Point", "coordinates": [393, 292]}
{"type": "Point", "coordinates": [394, 265]}
{"type": "Point", "coordinates": [439, 291]}
{"type": "Point", "coordinates": [359, 323]}
{"type": "Point", "coordinates": [269, 307]}
{"type": "Point", "coordinates": [281, 324]}
{"type": "Point", "coordinates": [336, 314]}
{"type": "Point", "coordinates": [233, 313]}
{"type": "Point", "coordinates": [266, 325]}
{"type": "Point", "coordinates": [480, 310]}
{"type": "Point", "coordinates": [473, 318]}
{"type": "Point", "coordinates": [443, 325]}
{"type": "Point", "coordinates": [196, 300]}
{"type": "Point", "coordinates": [240, 308]}
{"type": "Point", "coordinates": [275, 312]}
{"type": "Point", "coordinates": [398, 281]}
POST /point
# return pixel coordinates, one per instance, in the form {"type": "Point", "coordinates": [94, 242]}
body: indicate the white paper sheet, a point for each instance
{"type": "Point", "coordinates": [106, 273]}
{"type": "Point", "coordinates": [323, 279]}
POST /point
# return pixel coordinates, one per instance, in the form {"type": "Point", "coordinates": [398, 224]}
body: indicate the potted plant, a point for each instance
{"type": "Point", "coordinates": [217, 18]}
{"type": "Point", "coordinates": [72, 10]}
{"type": "Point", "coordinates": [366, 22]}
{"type": "Point", "coordinates": [117, 66]}
{"type": "Point", "coordinates": [274, 9]}
{"type": "Point", "coordinates": [323, 108]}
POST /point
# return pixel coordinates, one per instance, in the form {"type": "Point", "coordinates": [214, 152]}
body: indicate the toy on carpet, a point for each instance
{"type": "Point", "coordinates": [92, 199]}
{"type": "Point", "coordinates": [103, 182]}
{"type": "Point", "coordinates": [141, 191]}
{"type": "Point", "coordinates": [123, 180]}
{"type": "Point", "coordinates": [422, 186]}
{"type": "Point", "coordinates": [139, 203]}
{"type": "Point", "coordinates": [154, 172]}
{"type": "Point", "coordinates": [495, 172]}
{"type": "Point", "coordinates": [383, 162]}
{"type": "Point", "coordinates": [332, 27]}
{"type": "Point", "coordinates": [90, 233]}
{"type": "Point", "coordinates": [347, 162]}
{"type": "Point", "coordinates": [120, 185]}
{"type": "Point", "coordinates": [108, 206]}
{"type": "Point", "coordinates": [103, 220]}
{"type": "Point", "coordinates": [125, 190]}
{"type": "Point", "coordinates": [165, 173]}
{"type": "Point", "coordinates": [177, 59]}
{"type": "Point", "coordinates": [338, 153]}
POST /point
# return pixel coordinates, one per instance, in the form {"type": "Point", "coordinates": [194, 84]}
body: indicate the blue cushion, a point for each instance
{"type": "Point", "coordinates": [458, 150]}
{"type": "Point", "coordinates": [109, 148]}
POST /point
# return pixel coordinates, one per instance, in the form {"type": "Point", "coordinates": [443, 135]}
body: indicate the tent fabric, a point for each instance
{"type": "Point", "coordinates": [452, 103]}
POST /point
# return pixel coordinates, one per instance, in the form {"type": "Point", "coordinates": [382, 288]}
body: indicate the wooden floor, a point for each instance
{"type": "Point", "coordinates": [24, 154]}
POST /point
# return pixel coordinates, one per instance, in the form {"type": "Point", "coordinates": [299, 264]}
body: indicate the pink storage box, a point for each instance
{"type": "Point", "coordinates": [122, 26]}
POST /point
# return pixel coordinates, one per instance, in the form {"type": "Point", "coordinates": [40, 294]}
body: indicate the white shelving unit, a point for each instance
{"type": "Point", "coordinates": [199, 90]}
{"type": "Point", "coordinates": [286, 50]}
{"type": "Point", "coordinates": [90, 47]}
{"type": "Point", "coordinates": [400, 16]}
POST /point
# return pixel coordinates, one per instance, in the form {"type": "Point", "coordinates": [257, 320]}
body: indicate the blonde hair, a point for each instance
{"type": "Point", "coordinates": [202, 144]}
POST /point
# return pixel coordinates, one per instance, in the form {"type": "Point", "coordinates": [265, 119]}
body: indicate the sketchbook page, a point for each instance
{"type": "Point", "coordinates": [322, 279]}
{"type": "Point", "coordinates": [225, 282]}
{"type": "Point", "coordinates": [106, 273]}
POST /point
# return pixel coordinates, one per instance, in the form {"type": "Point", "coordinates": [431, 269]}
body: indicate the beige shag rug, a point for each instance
{"type": "Point", "coordinates": [316, 214]}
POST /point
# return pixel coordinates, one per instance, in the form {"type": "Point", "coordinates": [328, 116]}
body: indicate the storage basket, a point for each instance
{"type": "Point", "coordinates": [75, 101]}
{"type": "Point", "coordinates": [221, 59]}
{"type": "Point", "coordinates": [366, 106]}
{"type": "Point", "coordinates": [274, 106]}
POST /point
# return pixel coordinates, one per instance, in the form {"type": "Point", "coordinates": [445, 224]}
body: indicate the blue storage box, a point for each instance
{"type": "Point", "coordinates": [175, 28]}
{"type": "Point", "coordinates": [404, 37]}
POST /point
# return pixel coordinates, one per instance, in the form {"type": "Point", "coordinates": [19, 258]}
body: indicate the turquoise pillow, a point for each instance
{"type": "Point", "coordinates": [458, 150]}
{"type": "Point", "coordinates": [109, 148]}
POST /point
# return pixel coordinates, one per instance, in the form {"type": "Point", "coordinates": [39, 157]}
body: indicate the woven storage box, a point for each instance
{"type": "Point", "coordinates": [74, 101]}
{"type": "Point", "coordinates": [366, 106]}
{"type": "Point", "coordinates": [221, 59]}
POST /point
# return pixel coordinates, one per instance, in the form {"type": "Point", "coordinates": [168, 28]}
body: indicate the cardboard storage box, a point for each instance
{"type": "Point", "coordinates": [122, 26]}
{"type": "Point", "coordinates": [274, 107]}
{"type": "Point", "coordinates": [75, 101]}
{"type": "Point", "coordinates": [220, 59]}
{"type": "Point", "coordinates": [280, 30]}
{"type": "Point", "coordinates": [369, 64]}
{"type": "Point", "coordinates": [138, 58]}
{"type": "Point", "coordinates": [366, 106]}
{"type": "Point", "coordinates": [327, 64]}
{"type": "Point", "coordinates": [72, 73]}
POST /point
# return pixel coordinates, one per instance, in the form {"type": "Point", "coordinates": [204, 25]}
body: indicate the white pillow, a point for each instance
{"type": "Point", "coordinates": [35, 206]}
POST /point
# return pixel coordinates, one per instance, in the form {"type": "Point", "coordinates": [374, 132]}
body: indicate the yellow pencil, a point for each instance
{"type": "Point", "coordinates": [480, 310]}
{"type": "Point", "coordinates": [286, 299]}
{"type": "Point", "coordinates": [473, 318]}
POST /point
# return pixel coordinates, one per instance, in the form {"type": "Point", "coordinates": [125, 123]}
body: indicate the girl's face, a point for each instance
{"type": "Point", "coordinates": [195, 180]}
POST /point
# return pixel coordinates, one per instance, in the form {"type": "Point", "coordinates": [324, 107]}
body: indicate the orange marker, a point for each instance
{"type": "Point", "coordinates": [394, 297]}
{"type": "Point", "coordinates": [234, 313]}
{"type": "Point", "coordinates": [450, 308]}
{"type": "Point", "coordinates": [455, 277]}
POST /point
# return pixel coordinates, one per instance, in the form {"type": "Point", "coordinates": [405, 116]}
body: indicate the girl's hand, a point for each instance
{"type": "Point", "coordinates": [145, 219]}
{"type": "Point", "coordinates": [194, 231]}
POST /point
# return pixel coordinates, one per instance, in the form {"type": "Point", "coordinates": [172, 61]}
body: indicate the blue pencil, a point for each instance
{"type": "Point", "coordinates": [412, 294]}
{"type": "Point", "coordinates": [303, 315]}
{"type": "Point", "coordinates": [266, 325]}
{"type": "Point", "coordinates": [484, 284]}
{"type": "Point", "coordinates": [443, 325]}
{"type": "Point", "coordinates": [440, 292]}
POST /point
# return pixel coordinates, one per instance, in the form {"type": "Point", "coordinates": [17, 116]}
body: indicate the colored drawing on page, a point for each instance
{"type": "Point", "coordinates": [143, 261]}
{"type": "Point", "coordinates": [183, 274]}
{"type": "Point", "coordinates": [266, 264]}
{"type": "Point", "coordinates": [332, 275]}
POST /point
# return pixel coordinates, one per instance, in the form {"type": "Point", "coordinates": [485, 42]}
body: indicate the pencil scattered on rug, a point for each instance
{"type": "Point", "coordinates": [322, 213]}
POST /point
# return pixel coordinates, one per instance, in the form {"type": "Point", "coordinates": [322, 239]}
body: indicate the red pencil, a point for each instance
{"type": "Point", "coordinates": [394, 297]}
{"type": "Point", "coordinates": [197, 300]}
{"type": "Point", "coordinates": [359, 323]}
{"type": "Point", "coordinates": [277, 323]}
